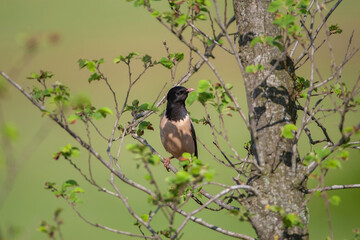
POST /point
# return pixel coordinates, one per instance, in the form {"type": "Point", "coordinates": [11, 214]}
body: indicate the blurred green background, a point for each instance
{"type": "Point", "coordinates": [63, 32]}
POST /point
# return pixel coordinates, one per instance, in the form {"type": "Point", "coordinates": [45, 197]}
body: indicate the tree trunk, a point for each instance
{"type": "Point", "coordinates": [271, 102]}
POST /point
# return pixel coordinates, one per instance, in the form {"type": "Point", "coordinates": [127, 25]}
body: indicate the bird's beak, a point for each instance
{"type": "Point", "coordinates": [190, 90]}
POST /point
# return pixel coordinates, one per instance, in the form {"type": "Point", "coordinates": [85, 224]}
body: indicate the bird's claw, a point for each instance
{"type": "Point", "coordinates": [167, 163]}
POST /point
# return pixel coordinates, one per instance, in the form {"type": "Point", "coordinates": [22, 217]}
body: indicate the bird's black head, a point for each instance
{"type": "Point", "coordinates": [178, 95]}
{"type": "Point", "coordinates": [175, 109]}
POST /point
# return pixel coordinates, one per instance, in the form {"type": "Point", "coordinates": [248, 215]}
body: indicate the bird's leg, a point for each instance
{"type": "Point", "coordinates": [167, 162]}
{"type": "Point", "coordinates": [183, 158]}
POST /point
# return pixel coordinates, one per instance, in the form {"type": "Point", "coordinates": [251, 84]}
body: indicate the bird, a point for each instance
{"type": "Point", "coordinates": [176, 129]}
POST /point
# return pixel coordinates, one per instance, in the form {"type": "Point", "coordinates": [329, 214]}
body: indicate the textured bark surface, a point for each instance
{"type": "Point", "coordinates": [271, 103]}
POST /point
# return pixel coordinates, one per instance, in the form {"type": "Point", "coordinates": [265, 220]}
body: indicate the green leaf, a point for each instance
{"type": "Point", "coordinates": [191, 98]}
{"type": "Point", "coordinates": [182, 177]}
{"type": "Point", "coordinates": [181, 20]}
{"type": "Point", "coordinates": [201, 17]}
{"type": "Point", "coordinates": [249, 69]}
{"type": "Point", "coordinates": [101, 61]}
{"type": "Point", "coordinates": [155, 13]}
{"type": "Point", "coordinates": [186, 155]}
{"type": "Point", "coordinates": [94, 76]}
{"type": "Point", "coordinates": [134, 148]}
{"type": "Point", "coordinates": [148, 106]}
{"type": "Point", "coordinates": [104, 111]}
{"type": "Point", "coordinates": [288, 20]}
{"type": "Point", "coordinates": [287, 131]}
{"type": "Point", "coordinates": [132, 55]}
{"type": "Point", "coordinates": [302, 84]}
{"type": "Point", "coordinates": [166, 63]}
{"type": "Point", "coordinates": [207, 3]}
{"type": "Point", "coordinates": [75, 151]}
{"type": "Point", "coordinates": [255, 41]}
{"type": "Point", "coordinates": [91, 66]}
{"type": "Point", "coordinates": [119, 59]}
{"type": "Point", "coordinates": [78, 190]}
{"type": "Point", "coordinates": [179, 56]}
{"type": "Point", "coordinates": [97, 115]}
{"type": "Point", "coordinates": [311, 157]}
{"type": "Point", "coordinates": [254, 68]}
{"type": "Point", "coordinates": [82, 63]}
{"type": "Point", "coordinates": [145, 217]}
{"type": "Point", "coordinates": [259, 67]}
{"type": "Point", "coordinates": [72, 182]}
{"type": "Point", "coordinates": [203, 97]}
{"type": "Point", "coordinates": [42, 76]}
{"type": "Point", "coordinates": [69, 183]}
{"type": "Point", "coordinates": [322, 153]}
{"type": "Point", "coordinates": [335, 200]}
{"type": "Point", "coordinates": [126, 59]}
{"type": "Point", "coordinates": [229, 86]}
{"type": "Point", "coordinates": [203, 85]}
{"type": "Point", "coordinates": [154, 159]}
{"type": "Point", "coordinates": [148, 177]}
{"type": "Point", "coordinates": [47, 92]}
{"type": "Point", "coordinates": [294, 30]}
{"type": "Point", "coordinates": [144, 125]}
{"type": "Point", "coordinates": [275, 6]}
{"type": "Point", "coordinates": [50, 185]}
{"type": "Point", "coordinates": [302, 7]}
{"type": "Point", "coordinates": [135, 102]}
{"type": "Point", "coordinates": [209, 42]}
{"type": "Point", "coordinates": [289, 3]}
{"type": "Point", "coordinates": [274, 42]}
{"type": "Point", "coordinates": [331, 163]}
{"type": "Point", "coordinates": [335, 29]}
{"type": "Point", "coordinates": [344, 155]}
{"type": "Point", "coordinates": [11, 131]}
{"type": "Point", "coordinates": [274, 208]}
{"type": "Point", "coordinates": [291, 220]}
{"type": "Point", "coordinates": [42, 229]}
{"type": "Point", "coordinates": [303, 95]}
{"type": "Point", "coordinates": [146, 58]}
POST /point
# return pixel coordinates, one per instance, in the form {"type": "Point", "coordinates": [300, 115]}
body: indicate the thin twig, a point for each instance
{"type": "Point", "coordinates": [334, 187]}
{"type": "Point", "coordinates": [317, 31]}
{"type": "Point", "coordinates": [105, 227]}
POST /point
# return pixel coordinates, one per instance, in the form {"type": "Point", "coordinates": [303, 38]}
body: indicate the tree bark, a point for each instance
{"type": "Point", "coordinates": [271, 102]}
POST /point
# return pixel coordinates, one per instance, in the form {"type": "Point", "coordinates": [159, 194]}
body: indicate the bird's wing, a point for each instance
{"type": "Point", "coordinates": [193, 134]}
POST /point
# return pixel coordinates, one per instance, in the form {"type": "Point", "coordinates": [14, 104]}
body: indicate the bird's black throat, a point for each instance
{"type": "Point", "coordinates": [176, 111]}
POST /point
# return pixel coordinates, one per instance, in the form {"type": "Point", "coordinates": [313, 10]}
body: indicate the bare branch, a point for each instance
{"type": "Point", "coordinates": [210, 38]}
{"type": "Point", "coordinates": [132, 213]}
{"type": "Point", "coordinates": [312, 166]}
{"type": "Point", "coordinates": [215, 228]}
{"type": "Point", "coordinates": [334, 187]}
{"type": "Point", "coordinates": [213, 199]}
{"type": "Point", "coordinates": [317, 31]}
{"type": "Point", "coordinates": [108, 228]}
